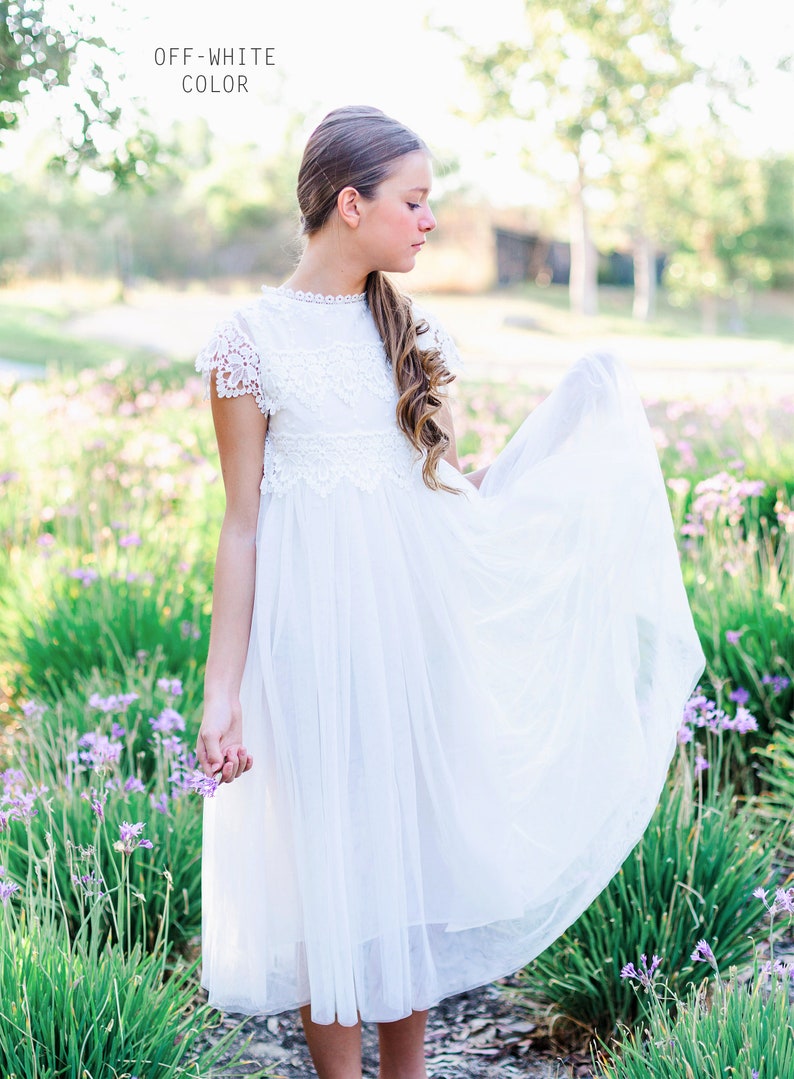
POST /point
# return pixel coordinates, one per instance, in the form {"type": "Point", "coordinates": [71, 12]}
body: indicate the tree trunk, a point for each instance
{"type": "Point", "coordinates": [644, 306]}
{"type": "Point", "coordinates": [583, 284]}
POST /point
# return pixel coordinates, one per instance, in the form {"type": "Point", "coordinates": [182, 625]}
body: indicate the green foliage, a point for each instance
{"type": "Point", "coordinates": [739, 1030]}
{"type": "Point", "coordinates": [95, 761]}
{"type": "Point", "coordinates": [691, 876]}
{"type": "Point", "coordinates": [72, 1007]}
{"type": "Point", "coordinates": [777, 773]}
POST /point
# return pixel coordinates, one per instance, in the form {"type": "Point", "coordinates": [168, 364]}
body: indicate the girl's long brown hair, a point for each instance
{"type": "Point", "coordinates": [358, 147]}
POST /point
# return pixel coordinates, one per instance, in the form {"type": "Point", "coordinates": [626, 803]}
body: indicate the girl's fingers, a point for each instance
{"type": "Point", "coordinates": [209, 754]}
{"type": "Point", "coordinates": [237, 761]}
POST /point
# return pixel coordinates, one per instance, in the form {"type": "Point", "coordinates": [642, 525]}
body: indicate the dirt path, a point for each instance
{"type": "Point", "coordinates": [477, 1035]}
{"type": "Point", "coordinates": [501, 338]}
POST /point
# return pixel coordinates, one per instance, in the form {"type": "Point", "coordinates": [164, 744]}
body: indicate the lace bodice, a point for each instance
{"type": "Point", "coordinates": [318, 370]}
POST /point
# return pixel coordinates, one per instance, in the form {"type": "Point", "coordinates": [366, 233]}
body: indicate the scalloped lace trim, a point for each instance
{"type": "Point", "coordinates": [322, 461]}
{"type": "Point", "coordinates": [313, 297]}
{"type": "Point", "coordinates": [236, 363]}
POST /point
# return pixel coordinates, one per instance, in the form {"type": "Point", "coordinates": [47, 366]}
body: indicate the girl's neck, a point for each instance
{"type": "Point", "coordinates": [327, 269]}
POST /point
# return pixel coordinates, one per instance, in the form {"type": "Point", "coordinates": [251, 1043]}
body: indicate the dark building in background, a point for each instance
{"type": "Point", "coordinates": [525, 256]}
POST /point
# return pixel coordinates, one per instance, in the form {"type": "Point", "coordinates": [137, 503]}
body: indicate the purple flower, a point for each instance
{"type": "Point", "coordinates": [778, 682]}
{"type": "Point", "coordinates": [7, 889]}
{"type": "Point", "coordinates": [129, 837]}
{"type": "Point", "coordinates": [85, 575]}
{"type": "Point", "coordinates": [33, 709]}
{"type": "Point", "coordinates": [89, 883]}
{"type": "Point", "coordinates": [134, 786]}
{"type": "Point", "coordinates": [114, 703]}
{"type": "Point", "coordinates": [703, 954]}
{"type": "Point", "coordinates": [168, 720]}
{"type": "Point", "coordinates": [733, 636]}
{"type": "Point", "coordinates": [685, 735]}
{"type": "Point", "coordinates": [744, 721]}
{"type": "Point", "coordinates": [170, 685]}
{"type": "Point", "coordinates": [97, 802]}
{"type": "Point", "coordinates": [188, 630]}
{"type": "Point", "coordinates": [130, 540]}
{"type": "Point", "coordinates": [739, 695]}
{"type": "Point", "coordinates": [98, 751]}
{"type": "Point", "coordinates": [645, 974]}
{"type": "Point", "coordinates": [784, 900]}
{"type": "Point", "coordinates": [160, 804]}
{"type": "Point", "coordinates": [701, 764]}
{"type": "Point", "coordinates": [206, 786]}
{"type": "Point", "coordinates": [117, 731]}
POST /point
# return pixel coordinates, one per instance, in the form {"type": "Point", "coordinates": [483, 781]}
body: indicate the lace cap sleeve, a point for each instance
{"type": "Point", "coordinates": [232, 355]}
{"type": "Point", "coordinates": [437, 337]}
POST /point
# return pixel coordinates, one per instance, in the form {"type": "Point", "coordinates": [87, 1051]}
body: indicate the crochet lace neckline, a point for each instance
{"type": "Point", "coordinates": [313, 297]}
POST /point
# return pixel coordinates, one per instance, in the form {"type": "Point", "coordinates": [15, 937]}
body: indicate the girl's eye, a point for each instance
{"type": "Point", "coordinates": [414, 205]}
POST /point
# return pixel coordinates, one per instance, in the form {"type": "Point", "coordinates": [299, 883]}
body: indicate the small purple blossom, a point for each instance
{"type": "Point", "coordinates": [778, 968]}
{"type": "Point", "coordinates": [703, 954]}
{"type": "Point", "coordinates": [739, 695]}
{"type": "Point", "coordinates": [777, 682]}
{"type": "Point", "coordinates": [134, 786]}
{"type": "Point", "coordinates": [33, 709]}
{"type": "Point", "coordinates": [172, 686]}
{"type": "Point", "coordinates": [117, 731]}
{"type": "Point", "coordinates": [685, 735]}
{"type": "Point", "coordinates": [206, 786]}
{"type": "Point", "coordinates": [7, 889]}
{"type": "Point", "coordinates": [99, 751]}
{"type": "Point", "coordinates": [129, 837]}
{"type": "Point", "coordinates": [645, 974]}
{"type": "Point", "coordinates": [160, 804]}
{"type": "Point", "coordinates": [733, 636]}
{"type": "Point", "coordinates": [701, 764]}
{"type": "Point", "coordinates": [167, 721]}
{"type": "Point", "coordinates": [116, 702]}
{"type": "Point", "coordinates": [189, 631]}
{"type": "Point", "coordinates": [744, 721]}
{"type": "Point", "coordinates": [86, 575]}
{"type": "Point", "coordinates": [89, 883]}
{"type": "Point", "coordinates": [132, 539]}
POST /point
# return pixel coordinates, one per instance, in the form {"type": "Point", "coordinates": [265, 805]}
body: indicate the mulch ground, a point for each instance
{"type": "Point", "coordinates": [482, 1034]}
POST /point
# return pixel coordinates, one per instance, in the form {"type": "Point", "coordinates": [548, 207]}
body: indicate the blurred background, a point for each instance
{"type": "Point", "coordinates": [632, 156]}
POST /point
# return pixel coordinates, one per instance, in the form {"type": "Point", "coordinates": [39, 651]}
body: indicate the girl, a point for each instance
{"type": "Point", "coordinates": [460, 693]}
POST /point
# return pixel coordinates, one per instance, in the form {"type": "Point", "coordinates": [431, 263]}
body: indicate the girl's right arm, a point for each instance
{"type": "Point", "coordinates": [240, 428]}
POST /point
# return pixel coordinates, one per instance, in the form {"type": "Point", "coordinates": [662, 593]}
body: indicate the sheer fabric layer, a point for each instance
{"type": "Point", "coordinates": [461, 706]}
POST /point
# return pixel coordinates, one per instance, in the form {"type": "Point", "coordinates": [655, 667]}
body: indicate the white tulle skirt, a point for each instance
{"type": "Point", "coordinates": [462, 708]}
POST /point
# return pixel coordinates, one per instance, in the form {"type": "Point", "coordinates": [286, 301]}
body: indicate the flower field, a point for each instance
{"type": "Point", "coordinates": [111, 502]}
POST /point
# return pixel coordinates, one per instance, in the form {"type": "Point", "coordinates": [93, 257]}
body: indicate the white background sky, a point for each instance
{"type": "Point", "coordinates": [385, 54]}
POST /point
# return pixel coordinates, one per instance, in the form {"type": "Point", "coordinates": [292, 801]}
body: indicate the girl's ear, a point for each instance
{"type": "Point", "coordinates": [347, 205]}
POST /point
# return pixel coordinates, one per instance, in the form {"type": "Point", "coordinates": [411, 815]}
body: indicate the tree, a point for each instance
{"type": "Point", "coordinates": [595, 75]}
{"type": "Point", "coordinates": [730, 222]}
{"type": "Point", "coordinates": [58, 48]}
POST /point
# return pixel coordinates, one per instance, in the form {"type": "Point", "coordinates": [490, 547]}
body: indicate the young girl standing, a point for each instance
{"type": "Point", "coordinates": [459, 694]}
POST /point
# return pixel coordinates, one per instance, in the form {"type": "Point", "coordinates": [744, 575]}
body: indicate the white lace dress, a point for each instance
{"type": "Point", "coordinates": [461, 706]}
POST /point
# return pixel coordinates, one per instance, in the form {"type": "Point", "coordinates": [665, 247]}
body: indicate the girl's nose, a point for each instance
{"type": "Point", "coordinates": [428, 221]}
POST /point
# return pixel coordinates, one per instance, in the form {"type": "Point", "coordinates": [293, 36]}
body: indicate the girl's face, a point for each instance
{"type": "Point", "coordinates": [396, 220]}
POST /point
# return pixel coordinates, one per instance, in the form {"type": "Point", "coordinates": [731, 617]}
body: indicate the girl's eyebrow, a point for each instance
{"type": "Point", "coordinates": [418, 190]}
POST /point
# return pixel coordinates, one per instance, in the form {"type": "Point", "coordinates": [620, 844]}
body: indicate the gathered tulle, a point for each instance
{"type": "Point", "coordinates": [461, 708]}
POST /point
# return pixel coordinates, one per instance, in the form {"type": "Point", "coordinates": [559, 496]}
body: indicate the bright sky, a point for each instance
{"type": "Point", "coordinates": [325, 54]}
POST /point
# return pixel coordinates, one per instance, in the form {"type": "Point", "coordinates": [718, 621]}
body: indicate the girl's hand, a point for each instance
{"type": "Point", "coordinates": [219, 747]}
